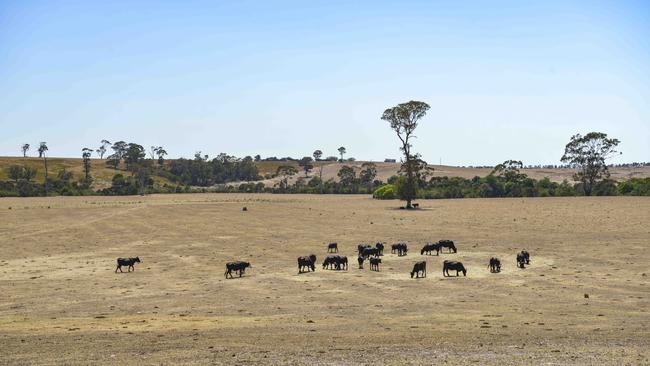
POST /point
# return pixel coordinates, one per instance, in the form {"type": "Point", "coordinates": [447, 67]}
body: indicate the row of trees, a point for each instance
{"type": "Point", "coordinates": [507, 180]}
{"type": "Point", "coordinates": [587, 154]}
{"type": "Point", "coordinates": [203, 172]}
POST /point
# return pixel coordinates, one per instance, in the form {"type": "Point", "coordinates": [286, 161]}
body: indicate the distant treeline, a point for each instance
{"type": "Point", "coordinates": [493, 186]}
{"type": "Point", "coordinates": [217, 175]}
{"type": "Point", "coordinates": [563, 166]}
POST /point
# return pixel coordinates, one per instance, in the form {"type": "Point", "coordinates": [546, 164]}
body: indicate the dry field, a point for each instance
{"type": "Point", "coordinates": [63, 304]}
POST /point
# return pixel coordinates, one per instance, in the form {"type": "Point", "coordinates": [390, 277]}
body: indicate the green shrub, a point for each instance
{"type": "Point", "coordinates": [385, 192]}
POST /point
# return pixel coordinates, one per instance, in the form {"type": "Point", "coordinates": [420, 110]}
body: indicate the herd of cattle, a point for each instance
{"type": "Point", "coordinates": [368, 253]}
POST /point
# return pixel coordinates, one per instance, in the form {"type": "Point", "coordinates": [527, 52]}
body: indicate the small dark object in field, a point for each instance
{"type": "Point", "coordinates": [586, 296]}
{"type": "Point", "coordinates": [244, 209]}
{"type": "Point", "coordinates": [416, 205]}
{"type": "Point", "coordinates": [332, 248]}
{"type": "Point", "coordinates": [129, 262]}
{"type": "Point", "coordinates": [10, 207]}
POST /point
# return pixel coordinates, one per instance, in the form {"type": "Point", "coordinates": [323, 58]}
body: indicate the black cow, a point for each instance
{"type": "Point", "coordinates": [523, 258]}
{"type": "Point", "coordinates": [380, 248]}
{"type": "Point", "coordinates": [127, 262]}
{"type": "Point", "coordinates": [419, 267]}
{"type": "Point", "coordinates": [367, 252]}
{"type": "Point", "coordinates": [430, 247]}
{"type": "Point", "coordinates": [447, 244]}
{"type": "Point", "coordinates": [342, 262]}
{"type": "Point", "coordinates": [329, 261]}
{"type": "Point", "coordinates": [236, 266]}
{"type": "Point", "coordinates": [454, 266]}
{"type": "Point", "coordinates": [362, 247]}
{"type": "Point", "coordinates": [307, 261]}
{"type": "Point", "coordinates": [495, 265]}
{"type": "Point", "coordinates": [332, 248]}
{"type": "Point", "coordinates": [374, 263]}
{"type": "Point", "coordinates": [336, 262]}
{"type": "Point", "coordinates": [360, 259]}
{"type": "Point", "coordinates": [400, 248]}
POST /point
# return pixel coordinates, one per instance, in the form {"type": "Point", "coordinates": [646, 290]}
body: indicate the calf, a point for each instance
{"type": "Point", "coordinates": [522, 259]}
{"type": "Point", "coordinates": [374, 264]}
{"type": "Point", "coordinates": [380, 248]}
{"type": "Point", "coordinates": [401, 249]}
{"type": "Point", "coordinates": [419, 267]}
{"type": "Point", "coordinates": [129, 262]}
{"type": "Point", "coordinates": [342, 262]}
{"type": "Point", "coordinates": [332, 248]}
{"type": "Point", "coordinates": [360, 259]}
{"type": "Point", "coordinates": [454, 266]}
{"type": "Point", "coordinates": [307, 261]}
{"type": "Point", "coordinates": [430, 247]}
{"type": "Point", "coordinates": [495, 265]}
{"type": "Point", "coordinates": [236, 266]}
{"type": "Point", "coordinates": [336, 262]}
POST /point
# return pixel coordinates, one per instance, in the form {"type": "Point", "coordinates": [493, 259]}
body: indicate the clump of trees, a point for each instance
{"type": "Point", "coordinates": [203, 172]}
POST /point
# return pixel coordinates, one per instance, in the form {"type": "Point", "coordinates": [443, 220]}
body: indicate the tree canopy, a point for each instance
{"type": "Point", "coordinates": [589, 154]}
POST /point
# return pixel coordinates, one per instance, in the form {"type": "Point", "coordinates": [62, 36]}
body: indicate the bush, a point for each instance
{"type": "Point", "coordinates": [385, 192]}
{"type": "Point", "coordinates": [635, 187]}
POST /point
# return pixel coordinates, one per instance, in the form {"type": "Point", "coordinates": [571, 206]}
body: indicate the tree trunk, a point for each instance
{"type": "Point", "coordinates": [45, 160]}
{"type": "Point", "coordinates": [321, 178]}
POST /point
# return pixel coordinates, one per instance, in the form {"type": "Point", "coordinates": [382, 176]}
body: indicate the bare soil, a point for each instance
{"type": "Point", "coordinates": [62, 303]}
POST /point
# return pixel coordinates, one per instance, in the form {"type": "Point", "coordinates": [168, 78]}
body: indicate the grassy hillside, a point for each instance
{"type": "Point", "coordinates": [102, 175]}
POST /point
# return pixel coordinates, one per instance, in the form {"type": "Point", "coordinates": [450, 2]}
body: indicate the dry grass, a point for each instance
{"type": "Point", "coordinates": [62, 303]}
{"type": "Point", "coordinates": [102, 175]}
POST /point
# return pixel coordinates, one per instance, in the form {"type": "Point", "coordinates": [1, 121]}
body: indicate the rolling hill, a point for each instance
{"type": "Point", "coordinates": [102, 174]}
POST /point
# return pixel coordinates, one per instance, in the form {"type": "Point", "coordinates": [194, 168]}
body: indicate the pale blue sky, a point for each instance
{"type": "Point", "coordinates": [505, 79]}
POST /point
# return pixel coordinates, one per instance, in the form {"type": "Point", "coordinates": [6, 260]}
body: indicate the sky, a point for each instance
{"type": "Point", "coordinates": [504, 79]}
